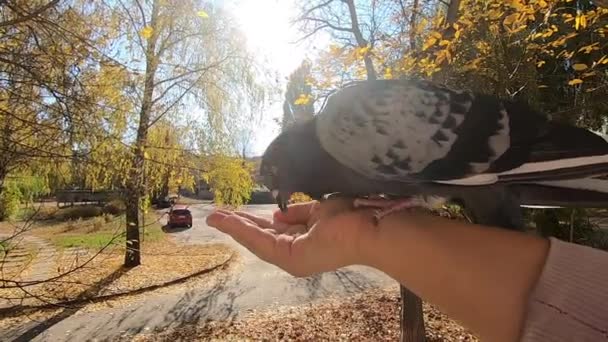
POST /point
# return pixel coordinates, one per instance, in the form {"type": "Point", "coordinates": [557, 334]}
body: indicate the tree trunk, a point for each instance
{"type": "Point", "coordinates": [413, 20]}
{"type": "Point", "coordinates": [136, 188]}
{"type": "Point", "coordinates": [450, 18]}
{"type": "Point", "coordinates": [572, 225]}
{"type": "Point", "coordinates": [412, 319]}
{"type": "Point", "coordinates": [369, 65]}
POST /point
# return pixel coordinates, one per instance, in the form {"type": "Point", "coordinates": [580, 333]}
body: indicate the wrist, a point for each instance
{"type": "Point", "coordinates": [374, 243]}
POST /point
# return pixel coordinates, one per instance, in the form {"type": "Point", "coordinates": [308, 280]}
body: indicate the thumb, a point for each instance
{"type": "Point", "coordinates": [298, 213]}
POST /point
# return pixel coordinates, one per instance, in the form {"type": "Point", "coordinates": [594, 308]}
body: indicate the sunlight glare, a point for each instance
{"type": "Point", "coordinates": [269, 33]}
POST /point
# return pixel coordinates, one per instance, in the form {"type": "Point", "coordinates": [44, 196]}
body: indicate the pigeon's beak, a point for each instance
{"type": "Point", "coordinates": [280, 199]}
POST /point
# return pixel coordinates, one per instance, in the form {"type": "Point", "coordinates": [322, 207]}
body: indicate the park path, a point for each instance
{"type": "Point", "coordinates": [252, 285]}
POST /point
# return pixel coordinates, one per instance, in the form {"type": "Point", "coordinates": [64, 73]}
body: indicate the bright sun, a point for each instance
{"type": "Point", "coordinates": [269, 33]}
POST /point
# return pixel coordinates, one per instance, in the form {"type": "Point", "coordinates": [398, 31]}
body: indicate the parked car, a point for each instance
{"type": "Point", "coordinates": [180, 216]}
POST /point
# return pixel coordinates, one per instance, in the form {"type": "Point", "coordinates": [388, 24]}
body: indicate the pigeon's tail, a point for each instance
{"type": "Point", "coordinates": [583, 192]}
{"type": "Point", "coordinates": [559, 152]}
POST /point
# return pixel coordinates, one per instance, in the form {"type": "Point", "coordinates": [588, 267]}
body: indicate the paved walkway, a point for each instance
{"type": "Point", "coordinates": [253, 285]}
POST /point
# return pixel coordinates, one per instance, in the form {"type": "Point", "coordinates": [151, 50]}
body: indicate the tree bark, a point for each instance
{"type": "Point", "coordinates": [412, 319]}
{"type": "Point", "coordinates": [450, 18]}
{"type": "Point", "coordinates": [362, 42]}
{"type": "Point", "coordinates": [136, 188]}
{"type": "Point", "coordinates": [413, 19]}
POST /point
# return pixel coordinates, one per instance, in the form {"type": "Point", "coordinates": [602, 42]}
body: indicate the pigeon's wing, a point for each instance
{"type": "Point", "coordinates": [411, 131]}
{"type": "Point", "coordinates": [493, 205]}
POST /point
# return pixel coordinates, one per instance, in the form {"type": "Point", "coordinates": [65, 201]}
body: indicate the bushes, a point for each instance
{"type": "Point", "coordinates": [230, 180]}
{"type": "Point", "coordinates": [78, 212]}
{"type": "Point", "coordinates": [10, 199]}
{"type": "Point", "coordinates": [299, 197]}
{"type": "Point", "coordinates": [115, 207]}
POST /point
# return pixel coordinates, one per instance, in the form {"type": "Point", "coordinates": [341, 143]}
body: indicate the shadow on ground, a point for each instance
{"type": "Point", "coordinates": [193, 306]}
{"type": "Point", "coordinates": [39, 327]}
{"type": "Point", "coordinates": [172, 230]}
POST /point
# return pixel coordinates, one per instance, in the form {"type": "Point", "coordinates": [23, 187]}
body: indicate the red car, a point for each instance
{"type": "Point", "coordinates": [180, 216]}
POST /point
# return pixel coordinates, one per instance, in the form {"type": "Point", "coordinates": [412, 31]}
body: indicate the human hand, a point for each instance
{"type": "Point", "coordinates": [309, 238]}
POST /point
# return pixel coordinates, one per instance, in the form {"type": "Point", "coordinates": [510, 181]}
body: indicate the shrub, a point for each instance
{"type": "Point", "coordinates": [230, 180]}
{"type": "Point", "coordinates": [115, 207]}
{"type": "Point", "coordinates": [35, 213]}
{"type": "Point", "coordinates": [72, 225]}
{"type": "Point", "coordinates": [9, 201]}
{"type": "Point", "coordinates": [97, 224]}
{"type": "Point", "coordinates": [78, 212]}
{"type": "Point", "coordinates": [299, 197]}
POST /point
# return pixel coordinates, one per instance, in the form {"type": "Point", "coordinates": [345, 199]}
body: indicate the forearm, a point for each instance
{"type": "Point", "coordinates": [478, 275]}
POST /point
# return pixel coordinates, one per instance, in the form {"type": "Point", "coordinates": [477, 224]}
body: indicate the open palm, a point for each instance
{"type": "Point", "coordinates": [310, 238]}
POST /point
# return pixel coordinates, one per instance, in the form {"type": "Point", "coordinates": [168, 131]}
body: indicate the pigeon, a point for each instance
{"type": "Point", "coordinates": [400, 143]}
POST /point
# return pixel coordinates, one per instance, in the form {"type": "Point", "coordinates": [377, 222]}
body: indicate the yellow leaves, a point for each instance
{"type": "Point", "coordinates": [580, 21]}
{"type": "Point", "coordinates": [303, 100]}
{"type": "Point", "coordinates": [579, 66]}
{"type": "Point", "coordinates": [202, 14]}
{"type": "Point", "coordinates": [361, 52]}
{"type": "Point", "coordinates": [589, 74]}
{"type": "Point", "coordinates": [421, 25]}
{"type": "Point", "coordinates": [495, 14]}
{"type": "Point", "coordinates": [575, 81]}
{"type": "Point", "coordinates": [540, 64]}
{"type": "Point", "coordinates": [147, 32]}
{"type": "Point", "coordinates": [466, 22]}
{"type": "Point", "coordinates": [473, 64]}
{"type": "Point", "coordinates": [433, 38]}
{"type": "Point", "coordinates": [388, 73]}
{"type": "Point", "coordinates": [442, 56]}
{"type": "Point", "coordinates": [517, 5]}
{"type": "Point", "coordinates": [429, 43]}
{"type": "Point", "coordinates": [230, 180]}
{"type": "Point", "coordinates": [588, 48]}
{"type": "Point", "coordinates": [335, 50]}
{"type": "Point", "coordinates": [603, 60]}
{"type": "Point", "coordinates": [483, 47]}
{"type": "Point", "coordinates": [511, 19]}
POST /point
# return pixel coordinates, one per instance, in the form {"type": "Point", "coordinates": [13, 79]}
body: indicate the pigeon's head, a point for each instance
{"type": "Point", "coordinates": [289, 161]}
{"type": "Point", "coordinates": [271, 170]}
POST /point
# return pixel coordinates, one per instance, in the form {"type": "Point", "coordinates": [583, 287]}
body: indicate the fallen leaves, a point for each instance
{"type": "Point", "coordinates": [371, 316]}
{"type": "Point", "coordinates": [104, 275]}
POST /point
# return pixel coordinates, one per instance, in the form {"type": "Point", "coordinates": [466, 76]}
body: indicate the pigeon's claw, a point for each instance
{"type": "Point", "coordinates": [385, 206]}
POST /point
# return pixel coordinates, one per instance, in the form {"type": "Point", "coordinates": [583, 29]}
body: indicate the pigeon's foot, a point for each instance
{"type": "Point", "coordinates": [386, 206]}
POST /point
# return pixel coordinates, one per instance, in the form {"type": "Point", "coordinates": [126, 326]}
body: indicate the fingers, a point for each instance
{"type": "Point", "coordinates": [260, 221]}
{"type": "Point", "coordinates": [298, 213]}
{"type": "Point", "coordinates": [259, 241]}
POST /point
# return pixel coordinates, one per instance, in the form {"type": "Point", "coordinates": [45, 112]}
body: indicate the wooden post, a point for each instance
{"type": "Point", "coordinates": [412, 319]}
{"type": "Point", "coordinates": [572, 225]}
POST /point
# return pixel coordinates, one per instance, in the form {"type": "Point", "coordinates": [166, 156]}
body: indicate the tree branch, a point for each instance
{"type": "Point", "coordinates": [29, 16]}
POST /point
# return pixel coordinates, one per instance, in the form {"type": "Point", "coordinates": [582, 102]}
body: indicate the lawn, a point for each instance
{"type": "Point", "coordinates": [96, 232]}
{"type": "Point", "coordinates": [100, 239]}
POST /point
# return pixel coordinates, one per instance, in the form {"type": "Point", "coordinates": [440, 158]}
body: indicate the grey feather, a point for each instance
{"type": "Point", "coordinates": [389, 131]}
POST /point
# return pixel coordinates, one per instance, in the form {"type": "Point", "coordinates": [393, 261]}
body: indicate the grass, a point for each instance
{"type": "Point", "coordinates": [188, 201]}
{"type": "Point", "coordinates": [3, 247]}
{"type": "Point", "coordinates": [96, 240]}
{"type": "Point", "coordinates": [96, 232]}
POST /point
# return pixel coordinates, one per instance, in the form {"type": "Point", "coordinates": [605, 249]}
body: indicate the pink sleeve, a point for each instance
{"type": "Point", "coordinates": [570, 301]}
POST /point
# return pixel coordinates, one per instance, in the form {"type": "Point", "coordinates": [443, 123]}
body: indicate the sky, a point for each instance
{"type": "Point", "coordinates": [270, 35]}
